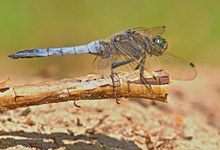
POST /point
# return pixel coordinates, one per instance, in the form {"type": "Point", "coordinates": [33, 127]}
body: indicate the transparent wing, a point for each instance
{"type": "Point", "coordinates": [151, 31]}
{"type": "Point", "coordinates": [177, 68]}
{"type": "Point", "coordinates": [100, 63]}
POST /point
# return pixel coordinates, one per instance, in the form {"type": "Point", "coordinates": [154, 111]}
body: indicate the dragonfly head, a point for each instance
{"type": "Point", "coordinates": [159, 45]}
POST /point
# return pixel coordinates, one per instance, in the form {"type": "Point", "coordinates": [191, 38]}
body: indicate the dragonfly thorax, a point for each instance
{"type": "Point", "coordinates": [105, 49]}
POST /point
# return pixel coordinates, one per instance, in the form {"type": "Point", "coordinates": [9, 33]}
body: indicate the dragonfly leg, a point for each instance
{"type": "Point", "coordinates": [137, 67]}
{"type": "Point", "coordinates": [114, 75]}
{"type": "Point", "coordinates": [142, 78]}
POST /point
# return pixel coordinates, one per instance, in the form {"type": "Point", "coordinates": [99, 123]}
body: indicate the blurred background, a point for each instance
{"type": "Point", "coordinates": [192, 30]}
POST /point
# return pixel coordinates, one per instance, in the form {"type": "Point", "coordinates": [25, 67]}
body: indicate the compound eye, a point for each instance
{"type": "Point", "coordinates": [160, 41]}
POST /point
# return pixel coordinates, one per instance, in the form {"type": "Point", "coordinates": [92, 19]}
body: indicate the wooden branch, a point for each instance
{"type": "Point", "coordinates": [91, 87]}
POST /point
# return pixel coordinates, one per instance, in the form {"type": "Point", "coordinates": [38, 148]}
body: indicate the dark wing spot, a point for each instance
{"type": "Point", "coordinates": [191, 64]}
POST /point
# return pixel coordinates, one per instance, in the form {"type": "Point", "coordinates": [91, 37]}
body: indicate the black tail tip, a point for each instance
{"type": "Point", "coordinates": [10, 55]}
{"type": "Point", "coordinates": [13, 56]}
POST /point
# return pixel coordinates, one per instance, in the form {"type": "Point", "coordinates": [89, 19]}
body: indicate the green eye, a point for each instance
{"type": "Point", "coordinates": [160, 41]}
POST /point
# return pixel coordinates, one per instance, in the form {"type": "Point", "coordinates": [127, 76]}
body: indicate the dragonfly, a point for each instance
{"type": "Point", "coordinates": [141, 48]}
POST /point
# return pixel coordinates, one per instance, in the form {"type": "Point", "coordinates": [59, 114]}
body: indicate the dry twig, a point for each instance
{"type": "Point", "coordinates": [90, 87]}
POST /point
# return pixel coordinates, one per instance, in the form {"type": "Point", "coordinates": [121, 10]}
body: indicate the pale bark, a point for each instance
{"type": "Point", "coordinates": [91, 87]}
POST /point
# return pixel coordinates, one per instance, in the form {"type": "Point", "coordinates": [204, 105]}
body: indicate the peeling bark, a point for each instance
{"type": "Point", "coordinates": [91, 87]}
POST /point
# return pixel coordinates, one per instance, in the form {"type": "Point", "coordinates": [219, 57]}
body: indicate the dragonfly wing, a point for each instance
{"type": "Point", "coordinates": [100, 63]}
{"type": "Point", "coordinates": [151, 32]}
{"type": "Point", "coordinates": [177, 68]}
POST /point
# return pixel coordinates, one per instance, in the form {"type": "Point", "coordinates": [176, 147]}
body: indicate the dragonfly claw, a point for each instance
{"type": "Point", "coordinates": [76, 105]}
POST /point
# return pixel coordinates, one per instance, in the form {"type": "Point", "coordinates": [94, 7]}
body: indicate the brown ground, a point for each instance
{"type": "Point", "coordinates": [190, 120]}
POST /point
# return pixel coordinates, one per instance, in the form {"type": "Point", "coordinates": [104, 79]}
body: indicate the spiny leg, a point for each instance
{"type": "Point", "coordinates": [113, 74]}
{"type": "Point", "coordinates": [145, 82]}
{"type": "Point", "coordinates": [138, 67]}
{"type": "Point", "coordinates": [142, 78]}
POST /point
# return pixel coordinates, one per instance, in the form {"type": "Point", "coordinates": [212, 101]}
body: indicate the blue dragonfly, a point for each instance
{"type": "Point", "coordinates": [142, 49]}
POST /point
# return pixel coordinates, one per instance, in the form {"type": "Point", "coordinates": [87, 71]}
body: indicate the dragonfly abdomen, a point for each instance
{"type": "Point", "coordinates": [92, 48]}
